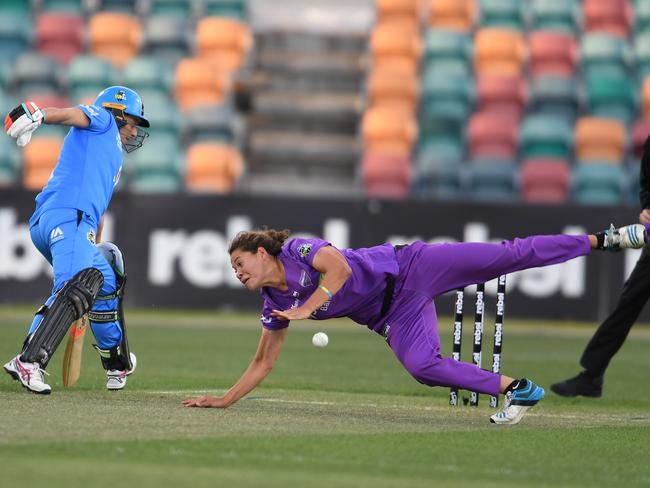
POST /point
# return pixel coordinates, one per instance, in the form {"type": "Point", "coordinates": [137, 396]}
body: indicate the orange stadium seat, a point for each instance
{"type": "Point", "coordinates": [39, 158]}
{"type": "Point", "coordinates": [600, 139]}
{"type": "Point", "coordinates": [499, 51]}
{"type": "Point", "coordinates": [396, 47]}
{"type": "Point", "coordinates": [552, 53]}
{"type": "Point", "coordinates": [492, 135]}
{"type": "Point", "coordinates": [387, 88]}
{"type": "Point", "coordinates": [59, 35]}
{"type": "Point", "coordinates": [213, 167]}
{"type": "Point", "coordinates": [199, 83]}
{"type": "Point", "coordinates": [388, 132]}
{"type": "Point", "coordinates": [503, 94]}
{"type": "Point", "coordinates": [645, 98]}
{"type": "Point", "coordinates": [640, 133]}
{"type": "Point", "coordinates": [386, 176]}
{"type": "Point", "coordinates": [398, 11]}
{"type": "Point", "coordinates": [453, 14]}
{"type": "Point", "coordinates": [114, 36]}
{"type": "Point", "coordinates": [611, 16]}
{"type": "Point", "coordinates": [224, 41]}
{"type": "Point", "coordinates": [545, 180]}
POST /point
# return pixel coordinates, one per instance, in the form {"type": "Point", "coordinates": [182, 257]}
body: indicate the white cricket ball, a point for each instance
{"type": "Point", "coordinates": [320, 339]}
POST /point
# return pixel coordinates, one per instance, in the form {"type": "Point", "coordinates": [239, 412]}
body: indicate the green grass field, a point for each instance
{"type": "Point", "coordinates": [345, 415]}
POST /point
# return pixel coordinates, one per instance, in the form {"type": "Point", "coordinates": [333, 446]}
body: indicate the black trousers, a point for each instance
{"type": "Point", "coordinates": [612, 333]}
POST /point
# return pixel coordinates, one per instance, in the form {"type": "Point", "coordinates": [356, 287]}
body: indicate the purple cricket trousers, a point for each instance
{"type": "Point", "coordinates": [429, 270]}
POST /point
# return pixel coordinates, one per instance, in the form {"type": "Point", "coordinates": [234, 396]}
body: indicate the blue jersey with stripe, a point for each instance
{"type": "Point", "coordinates": [89, 167]}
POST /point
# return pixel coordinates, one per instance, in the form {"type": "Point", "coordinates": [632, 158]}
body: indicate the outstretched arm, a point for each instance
{"type": "Point", "coordinates": [335, 271]}
{"type": "Point", "coordinates": [267, 354]}
{"type": "Point", "coordinates": [71, 116]}
{"type": "Point", "coordinates": [24, 119]}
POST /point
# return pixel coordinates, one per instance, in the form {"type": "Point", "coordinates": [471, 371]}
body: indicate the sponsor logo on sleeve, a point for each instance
{"type": "Point", "coordinates": [304, 249]}
{"type": "Point", "coordinates": [56, 235]}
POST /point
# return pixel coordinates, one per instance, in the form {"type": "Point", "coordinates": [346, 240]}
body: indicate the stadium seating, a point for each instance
{"type": "Point", "coordinates": [596, 183]}
{"type": "Point", "coordinates": [556, 15]}
{"type": "Point", "coordinates": [35, 73]}
{"type": "Point", "coordinates": [545, 180]}
{"type": "Point", "coordinates": [492, 135]}
{"type": "Point", "coordinates": [552, 53]}
{"type": "Point", "coordinates": [640, 132]}
{"type": "Point", "coordinates": [546, 136]}
{"type": "Point", "coordinates": [437, 175]}
{"type": "Point", "coordinates": [642, 55]}
{"type": "Point", "coordinates": [209, 123]}
{"type": "Point", "coordinates": [9, 162]}
{"type": "Point", "coordinates": [453, 14]}
{"type": "Point", "coordinates": [502, 13]}
{"type": "Point", "coordinates": [443, 95]}
{"type": "Point", "coordinates": [555, 95]}
{"type": "Point", "coordinates": [167, 37]}
{"type": "Point", "coordinates": [180, 9]}
{"type": "Point", "coordinates": [492, 179]}
{"type": "Point", "coordinates": [613, 16]}
{"type": "Point", "coordinates": [59, 35]}
{"type": "Point", "coordinates": [155, 167]}
{"type": "Point", "coordinates": [198, 83]}
{"type": "Point", "coordinates": [386, 176]}
{"type": "Point", "coordinates": [114, 36]}
{"type": "Point", "coordinates": [15, 37]}
{"type": "Point", "coordinates": [605, 54]}
{"type": "Point", "coordinates": [645, 98]}
{"type": "Point", "coordinates": [398, 11]}
{"type": "Point", "coordinates": [213, 167]}
{"type": "Point", "coordinates": [599, 139]}
{"type": "Point", "coordinates": [226, 8]}
{"type": "Point", "coordinates": [224, 41]}
{"type": "Point", "coordinates": [447, 45]}
{"type": "Point", "coordinates": [385, 88]}
{"type": "Point", "coordinates": [74, 7]}
{"type": "Point", "coordinates": [505, 94]}
{"type": "Point", "coordinates": [499, 51]}
{"type": "Point", "coordinates": [388, 132]}
{"type": "Point", "coordinates": [396, 47]}
{"type": "Point", "coordinates": [642, 16]}
{"type": "Point", "coordinates": [15, 7]}
{"type": "Point", "coordinates": [119, 6]}
{"type": "Point", "coordinates": [87, 76]}
{"type": "Point", "coordinates": [39, 158]}
{"type": "Point", "coordinates": [612, 97]}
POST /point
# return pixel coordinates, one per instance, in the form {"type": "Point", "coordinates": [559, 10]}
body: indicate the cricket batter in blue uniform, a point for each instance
{"type": "Point", "coordinates": [391, 290]}
{"type": "Point", "coordinates": [88, 278]}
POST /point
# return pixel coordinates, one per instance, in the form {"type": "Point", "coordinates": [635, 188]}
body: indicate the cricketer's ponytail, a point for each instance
{"type": "Point", "coordinates": [250, 241]}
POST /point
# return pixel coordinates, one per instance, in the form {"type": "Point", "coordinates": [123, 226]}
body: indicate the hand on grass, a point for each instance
{"type": "Point", "coordinates": [206, 401]}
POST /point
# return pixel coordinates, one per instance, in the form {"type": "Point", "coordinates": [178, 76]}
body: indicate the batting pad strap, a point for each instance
{"type": "Point", "coordinates": [110, 316]}
{"type": "Point", "coordinates": [108, 297]}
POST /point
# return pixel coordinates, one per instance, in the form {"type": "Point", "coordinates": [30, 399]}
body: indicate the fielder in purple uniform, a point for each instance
{"type": "Point", "coordinates": [391, 289]}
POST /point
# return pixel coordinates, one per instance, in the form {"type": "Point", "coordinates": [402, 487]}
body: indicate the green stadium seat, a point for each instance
{"type": "Point", "coordinates": [181, 9]}
{"type": "Point", "coordinates": [125, 6]}
{"type": "Point", "coordinates": [447, 45]}
{"type": "Point", "coordinates": [642, 55]}
{"type": "Point", "coordinates": [87, 76]}
{"type": "Point", "coordinates": [65, 6]}
{"type": "Point", "coordinates": [9, 162]}
{"type": "Point", "coordinates": [436, 175]}
{"type": "Point", "coordinates": [226, 8]}
{"type": "Point", "coordinates": [612, 97]}
{"type": "Point", "coordinates": [556, 15]}
{"type": "Point", "coordinates": [555, 95]}
{"type": "Point", "coordinates": [595, 183]}
{"type": "Point", "coordinates": [502, 13]}
{"type": "Point", "coordinates": [167, 37]}
{"type": "Point", "coordinates": [642, 16]}
{"type": "Point", "coordinates": [492, 180]}
{"type": "Point", "coordinates": [546, 136]}
{"type": "Point", "coordinates": [148, 72]}
{"type": "Point", "coordinates": [163, 115]}
{"type": "Point", "coordinates": [15, 7]}
{"type": "Point", "coordinates": [209, 123]}
{"type": "Point", "coordinates": [35, 73]}
{"type": "Point", "coordinates": [443, 95]}
{"type": "Point", "coordinates": [446, 134]}
{"type": "Point", "coordinates": [155, 167]}
{"type": "Point", "coordinates": [605, 54]}
{"type": "Point", "coordinates": [15, 37]}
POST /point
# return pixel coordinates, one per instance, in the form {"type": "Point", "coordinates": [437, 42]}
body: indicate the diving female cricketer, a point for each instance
{"type": "Point", "coordinates": [391, 290]}
{"type": "Point", "coordinates": [88, 278]}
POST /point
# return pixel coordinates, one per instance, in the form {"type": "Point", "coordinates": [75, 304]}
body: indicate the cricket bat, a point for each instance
{"type": "Point", "coordinates": [73, 350]}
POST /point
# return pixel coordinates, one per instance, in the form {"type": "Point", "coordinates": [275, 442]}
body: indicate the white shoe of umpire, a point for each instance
{"type": "Point", "coordinates": [628, 237]}
{"type": "Point", "coordinates": [30, 375]}
{"type": "Point", "coordinates": [116, 379]}
{"type": "Point", "coordinates": [525, 396]}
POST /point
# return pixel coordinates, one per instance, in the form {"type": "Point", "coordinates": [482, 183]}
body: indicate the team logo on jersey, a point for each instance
{"type": "Point", "coordinates": [91, 236]}
{"type": "Point", "coordinates": [116, 178]}
{"type": "Point", "coordinates": [91, 110]}
{"type": "Point", "coordinates": [305, 280]}
{"type": "Point", "coordinates": [304, 249]}
{"type": "Point", "coordinates": [266, 320]}
{"type": "Point", "coordinates": [56, 235]}
{"type": "Point", "coordinates": [120, 96]}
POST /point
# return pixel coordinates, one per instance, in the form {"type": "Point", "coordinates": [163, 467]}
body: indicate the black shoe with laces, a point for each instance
{"type": "Point", "coordinates": [581, 385]}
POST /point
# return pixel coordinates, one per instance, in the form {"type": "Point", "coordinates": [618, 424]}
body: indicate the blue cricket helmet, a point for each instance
{"type": "Point", "coordinates": [125, 100]}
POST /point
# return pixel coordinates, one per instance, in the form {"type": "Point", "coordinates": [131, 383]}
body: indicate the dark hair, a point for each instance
{"type": "Point", "coordinates": [270, 239]}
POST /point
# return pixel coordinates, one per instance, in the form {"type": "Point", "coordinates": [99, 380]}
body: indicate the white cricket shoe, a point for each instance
{"type": "Point", "coordinates": [116, 379]}
{"type": "Point", "coordinates": [525, 396]}
{"type": "Point", "coordinates": [30, 375]}
{"type": "Point", "coordinates": [628, 237]}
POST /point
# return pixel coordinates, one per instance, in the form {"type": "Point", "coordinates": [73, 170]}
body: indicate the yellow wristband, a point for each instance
{"type": "Point", "coordinates": [327, 292]}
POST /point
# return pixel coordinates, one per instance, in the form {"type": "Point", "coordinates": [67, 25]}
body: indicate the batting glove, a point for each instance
{"type": "Point", "coordinates": [22, 121]}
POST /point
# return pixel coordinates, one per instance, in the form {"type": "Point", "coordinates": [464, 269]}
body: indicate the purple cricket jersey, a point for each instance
{"type": "Point", "coordinates": [360, 298]}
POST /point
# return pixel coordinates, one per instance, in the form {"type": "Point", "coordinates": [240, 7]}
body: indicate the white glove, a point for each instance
{"type": "Point", "coordinates": [22, 121]}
